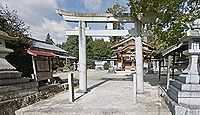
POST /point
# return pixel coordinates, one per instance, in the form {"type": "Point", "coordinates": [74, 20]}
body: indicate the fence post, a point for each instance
{"type": "Point", "coordinates": [134, 88]}
{"type": "Point", "coordinates": [71, 87]}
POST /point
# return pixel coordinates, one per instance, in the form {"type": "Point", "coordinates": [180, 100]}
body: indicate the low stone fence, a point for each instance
{"type": "Point", "coordinates": [8, 107]}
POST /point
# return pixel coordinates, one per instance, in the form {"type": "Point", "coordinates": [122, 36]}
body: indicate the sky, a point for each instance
{"type": "Point", "coordinates": [42, 18]}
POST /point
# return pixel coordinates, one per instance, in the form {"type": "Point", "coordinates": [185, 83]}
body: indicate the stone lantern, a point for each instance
{"type": "Point", "coordinates": [12, 84]}
{"type": "Point", "coordinates": [184, 92]}
{"type": "Point", "coordinates": [14, 89]}
{"type": "Point", "coordinates": [8, 74]}
{"type": "Point", "coordinates": [191, 73]}
{"type": "Point", "coordinates": [4, 65]}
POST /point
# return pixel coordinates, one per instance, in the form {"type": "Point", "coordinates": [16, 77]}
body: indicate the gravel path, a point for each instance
{"type": "Point", "coordinates": [108, 94]}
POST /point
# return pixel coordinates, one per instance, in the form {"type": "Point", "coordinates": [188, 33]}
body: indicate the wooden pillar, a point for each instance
{"type": "Point", "coordinates": [34, 69]}
{"type": "Point", "coordinates": [122, 62]}
{"type": "Point", "coordinates": [173, 62]}
{"type": "Point", "coordinates": [159, 70]}
{"type": "Point", "coordinates": [71, 87]}
{"type": "Point", "coordinates": [168, 71]}
{"type": "Point", "coordinates": [66, 62]}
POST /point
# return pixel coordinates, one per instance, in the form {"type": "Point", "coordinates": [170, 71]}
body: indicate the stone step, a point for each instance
{"type": "Point", "coordinates": [13, 81]}
{"type": "Point", "coordinates": [193, 78]}
{"type": "Point", "coordinates": [9, 74]}
{"type": "Point", "coordinates": [15, 87]}
{"type": "Point", "coordinates": [184, 97]}
{"type": "Point", "coordinates": [18, 94]}
{"type": "Point", "coordinates": [184, 93]}
{"type": "Point", "coordinates": [179, 109]}
{"type": "Point", "coordinates": [185, 87]}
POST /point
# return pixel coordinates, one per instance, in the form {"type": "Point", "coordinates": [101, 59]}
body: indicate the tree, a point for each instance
{"type": "Point", "coordinates": [71, 46]}
{"type": "Point", "coordinates": [117, 10]}
{"type": "Point", "coordinates": [101, 50]}
{"type": "Point", "coordinates": [96, 50]}
{"type": "Point", "coordinates": [12, 24]}
{"type": "Point", "coordinates": [48, 39]}
{"type": "Point", "coordinates": [90, 53]}
{"type": "Point", "coordinates": [169, 18]}
{"type": "Point", "coordinates": [15, 27]}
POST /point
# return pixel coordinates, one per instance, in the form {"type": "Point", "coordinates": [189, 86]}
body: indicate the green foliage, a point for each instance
{"type": "Point", "coordinates": [70, 66]}
{"type": "Point", "coordinates": [12, 24]}
{"type": "Point", "coordinates": [101, 49]}
{"type": "Point", "coordinates": [96, 50]}
{"type": "Point", "coordinates": [42, 95]}
{"type": "Point", "coordinates": [106, 66]}
{"type": "Point", "coordinates": [169, 18]}
{"type": "Point", "coordinates": [117, 10]}
{"type": "Point", "coordinates": [15, 27]}
{"type": "Point", "coordinates": [90, 63]}
{"type": "Point", "coordinates": [71, 46]}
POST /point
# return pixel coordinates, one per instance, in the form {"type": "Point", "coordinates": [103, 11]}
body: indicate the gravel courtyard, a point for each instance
{"type": "Point", "coordinates": [109, 94]}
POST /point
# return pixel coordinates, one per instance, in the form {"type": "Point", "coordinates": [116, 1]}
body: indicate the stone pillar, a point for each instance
{"type": "Point", "coordinates": [139, 60]}
{"type": "Point", "coordinates": [139, 64]}
{"type": "Point", "coordinates": [82, 59]}
{"type": "Point", "coordinates": [134, 88]}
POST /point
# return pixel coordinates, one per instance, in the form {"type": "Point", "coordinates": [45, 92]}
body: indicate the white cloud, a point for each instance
{"type": "Point", "coordinates": [54, 28]}
{"type": "Point", "coordinates": [92, 4]}
{"type": "Point", "coordinates": [35, 14]}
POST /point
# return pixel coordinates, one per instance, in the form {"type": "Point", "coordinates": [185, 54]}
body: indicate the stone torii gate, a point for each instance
{"type": "Point", "coordinates": [82, 32]}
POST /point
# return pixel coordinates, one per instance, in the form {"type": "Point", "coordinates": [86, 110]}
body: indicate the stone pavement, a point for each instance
{"type": "Point", "coordinates": [109, 94]}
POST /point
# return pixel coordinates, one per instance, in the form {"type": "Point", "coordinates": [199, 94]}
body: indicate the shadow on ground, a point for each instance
{"type": "Point", "coordinates": [152, 79]}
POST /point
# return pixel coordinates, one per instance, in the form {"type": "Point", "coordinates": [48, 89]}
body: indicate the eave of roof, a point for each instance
{"type": "Point", "coordinates": [171, 49]}
{"type": "Point", "coordinates": [40, 53]}
{"type": "Point", "coordinates": [128, 39]}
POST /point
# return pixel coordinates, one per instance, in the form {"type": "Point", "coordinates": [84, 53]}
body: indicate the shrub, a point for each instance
{"type": "Point", "coordinates": [106, 66]}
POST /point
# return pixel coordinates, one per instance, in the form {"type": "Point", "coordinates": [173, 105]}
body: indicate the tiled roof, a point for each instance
{"type": "Point", "coordinates": [43, 45]}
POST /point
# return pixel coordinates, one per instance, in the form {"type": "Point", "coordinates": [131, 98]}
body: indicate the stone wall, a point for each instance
{"type": "Point", "coordinates": [9, 107]}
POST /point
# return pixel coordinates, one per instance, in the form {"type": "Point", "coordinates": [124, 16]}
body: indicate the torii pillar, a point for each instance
{"type": "Point", "coordinates": [82, 58]}
{"type": "Point", "coordinates": [139, 58]}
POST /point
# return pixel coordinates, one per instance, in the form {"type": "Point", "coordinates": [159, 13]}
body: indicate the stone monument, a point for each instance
{"type": "Point", "coordinates": [184, 92]}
